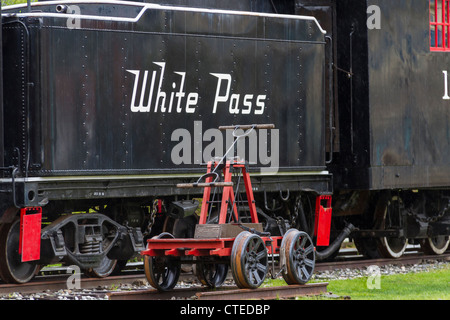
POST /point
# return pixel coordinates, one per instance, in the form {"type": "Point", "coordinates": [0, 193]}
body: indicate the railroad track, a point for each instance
{"type": "Point", "coordinates": [50, 281]}
{"type": "Point", "coordinates": [407, 259]}
{"type": "Point", "coordinates": [225, 293]}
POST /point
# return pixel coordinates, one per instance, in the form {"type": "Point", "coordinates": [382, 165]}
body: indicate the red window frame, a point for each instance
{"type": "Point", "coordinates": [439, 25]}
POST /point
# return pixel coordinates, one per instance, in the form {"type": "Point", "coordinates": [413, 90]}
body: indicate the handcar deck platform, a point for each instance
{"type": "Point", "coordinates": [201, 247]}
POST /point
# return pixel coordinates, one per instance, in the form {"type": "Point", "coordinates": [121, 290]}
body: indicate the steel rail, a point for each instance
{"type": "Point", "coordinates": [404, 260]}
{"type": "Point", "coordinates": [55, 283]}
{"type": "Point", "coordinates": [267, 293]}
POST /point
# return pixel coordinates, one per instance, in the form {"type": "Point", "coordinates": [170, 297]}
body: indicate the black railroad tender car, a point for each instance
{"type": "Point", "coordinates": [108, 105]}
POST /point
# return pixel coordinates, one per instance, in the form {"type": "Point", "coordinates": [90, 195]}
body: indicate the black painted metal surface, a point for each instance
{"type": "Point", "coordinates": [79, 107]}
{"type": "Point", "coordinates": [394, 122]}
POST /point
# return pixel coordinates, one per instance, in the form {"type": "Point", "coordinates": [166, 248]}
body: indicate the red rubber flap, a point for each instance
{"type": "Point", "coordinates": [30, 234]}
{"type": "Point", "coordinates": [323, 220]}
{"type": "Point", "coordinates": [323, 230]}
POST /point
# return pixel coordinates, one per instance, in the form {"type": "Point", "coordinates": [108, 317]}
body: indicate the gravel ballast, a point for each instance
{"type": "Point", "coordinates": [100, 293]}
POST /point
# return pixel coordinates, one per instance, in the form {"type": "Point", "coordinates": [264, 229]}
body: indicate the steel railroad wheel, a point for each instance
{"type": "Point", "coordinates": [297, 256]}
{"type": "Point", "coordinates": [436, 245]}
{"type": "Point", "coordinates": [162, 272]}
{"type": "Point", "coordinates": [211, 274]}
{"type": "Point", "coordinates": [392, 247]}
{"type": "Point", "coordinates": [389, 210]}
{"type": "Point", "coordinates": [105, 269]}
{"type": "Point", "coordinates": [249, 261]}
{"type": "Point", "coordinates": [12, 269]}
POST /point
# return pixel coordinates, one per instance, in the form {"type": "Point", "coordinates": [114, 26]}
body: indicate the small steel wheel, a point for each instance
{"type": "Point", "coordinates": [249, 262]}
{"type": "Point", "coordinates": [12, 269]}
{"type": "Point", "coordinates": [297, 256]}
{"type": "Point", "coordinates": [210, 273]}
{"type": "Point", "coordinates": [162, 272]}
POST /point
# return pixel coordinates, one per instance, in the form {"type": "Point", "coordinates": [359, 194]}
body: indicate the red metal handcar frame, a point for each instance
{"type": "Point", "coordinates": [219, 246]}
{"type": "Point", "coordinates": [247, 251]}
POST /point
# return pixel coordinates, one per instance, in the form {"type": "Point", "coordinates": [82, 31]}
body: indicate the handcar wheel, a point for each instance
{"type": "Point", "coordinates": [12, 269]}
{"type": "Point", "coordinates": [162, 272]}
{"type": "Point", "coordinates": [436, 245]}
{"type": "Point", "coordinates": [211, 274]}
{"type": "Point", "coordinates": [297, 256]}
{"type": "Point", "coordinates": [249, 262]}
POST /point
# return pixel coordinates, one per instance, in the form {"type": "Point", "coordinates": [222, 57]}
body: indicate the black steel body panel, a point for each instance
{"type": "Point", "coordinates": [77, 108]}
{"type": "Point", "coordinates": [394, 123]}
{"type": "Point", "coordinates": [86, 84]}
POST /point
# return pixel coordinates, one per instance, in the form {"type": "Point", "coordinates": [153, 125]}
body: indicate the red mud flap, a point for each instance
{"type": "Point", "coordinates": [30, 233]}
{"type": "Point", "coordinates": [323, 220]}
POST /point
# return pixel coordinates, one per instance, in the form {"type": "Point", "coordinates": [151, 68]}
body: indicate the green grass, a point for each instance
{"type": "Point", "coordinates": [432, 285]}
{"type": "Point", "coordinates": [11, 2]}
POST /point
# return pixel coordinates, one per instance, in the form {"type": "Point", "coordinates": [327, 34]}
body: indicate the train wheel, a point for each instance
{"type": "Point", "coordinates": [298, 257]}
{"type": "Point", "coordinates": [105, 269]}
{"type": "Point", "coordinates": [368, 247]}
{"type": "Point", "coordinates": [12, 269]}
{"type": "Point", "coordinates": [388, 210]}
{"type": "Point", "coordinates": [162, 272]}
{"type": "Point", "coordinates": [249, 262]}
{"type": "Point", "coordinates": [392, 247]}
{"type": "Point", "coordinates": [435, 245]}
{"type": "Point", "coordinates": [211, 274]}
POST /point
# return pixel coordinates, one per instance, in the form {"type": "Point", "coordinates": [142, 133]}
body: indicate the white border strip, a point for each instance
{"type": "Point", "coordinates": [120, 177]}
{"type": "Point", "coordinates": [145, 6]}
